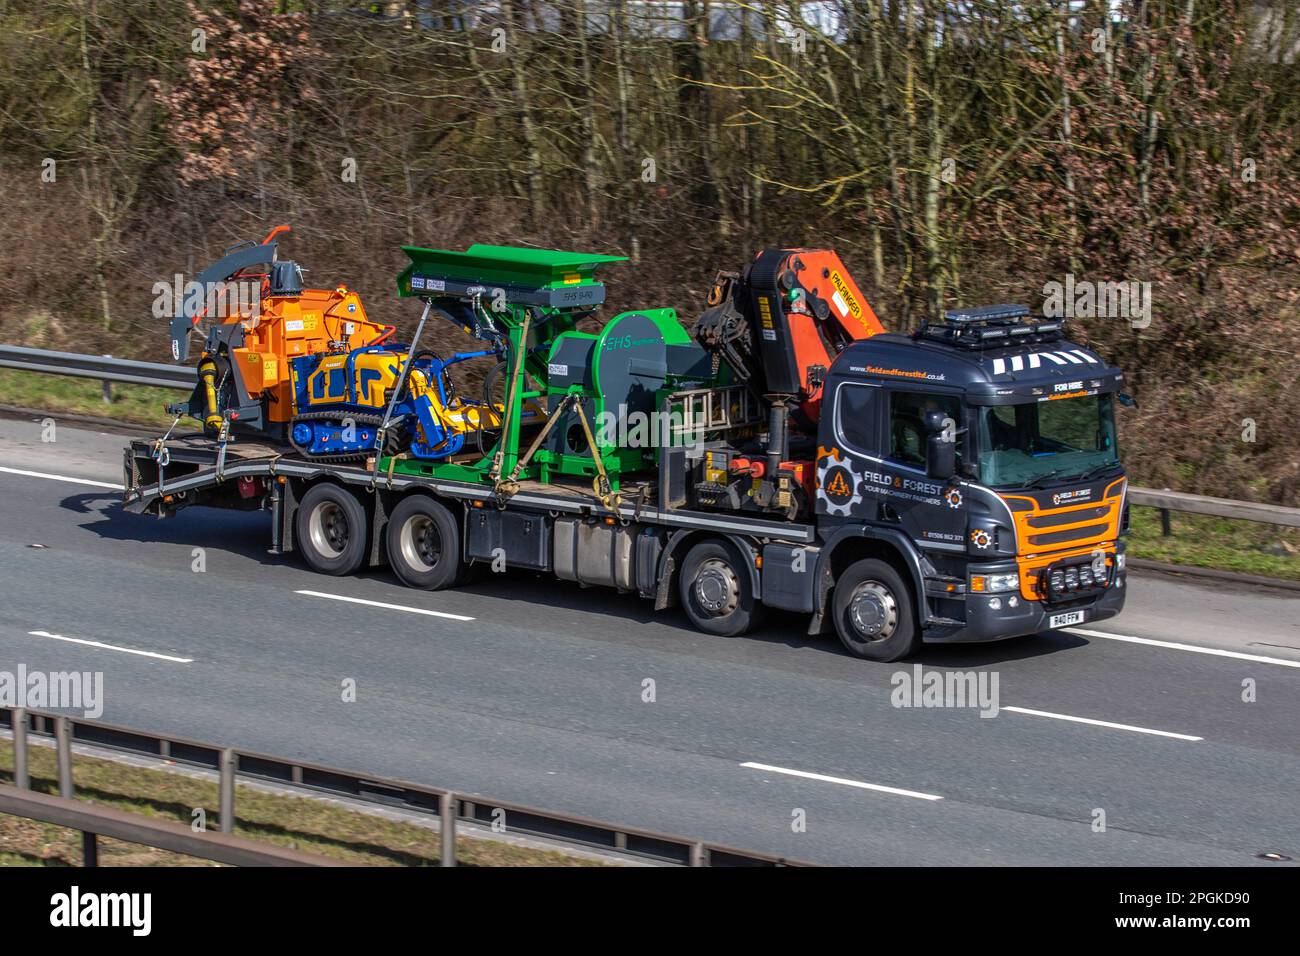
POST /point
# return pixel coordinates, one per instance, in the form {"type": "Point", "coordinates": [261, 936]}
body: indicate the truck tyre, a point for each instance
{"type": "Point", "coordinates": [874, 617]}
{"type": "Point", "coordinates": [716, 590]}
{"type": "Point", "coordinates": [330, 529]}
{"type": "Point", "coordinates": [423, 544]}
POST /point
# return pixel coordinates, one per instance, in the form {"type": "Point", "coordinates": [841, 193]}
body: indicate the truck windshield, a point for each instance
{"type": "Point", "coordinates": [1059, 439]}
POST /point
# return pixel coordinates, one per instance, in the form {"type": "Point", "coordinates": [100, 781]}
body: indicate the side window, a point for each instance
{"type": "Point", "coordinates": [856, 422]}
{"type": "Point", "coordinates": [907, 431]}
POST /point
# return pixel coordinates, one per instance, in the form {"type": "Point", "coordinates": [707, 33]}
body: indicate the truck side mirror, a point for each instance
{"type": "Point", "coordinates": [940, 458]}
{"type": "Point", "coordinates": [1128, 401]}
{"type": "Point", "coordinates": [935, 421]}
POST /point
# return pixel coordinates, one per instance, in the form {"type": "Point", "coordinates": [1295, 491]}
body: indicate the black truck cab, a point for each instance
{"type": "Point", "coordinates": [984, 464]}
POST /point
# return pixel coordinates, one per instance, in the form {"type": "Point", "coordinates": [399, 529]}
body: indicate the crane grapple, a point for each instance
{"type": "Point", "coordinates": [780, 323]}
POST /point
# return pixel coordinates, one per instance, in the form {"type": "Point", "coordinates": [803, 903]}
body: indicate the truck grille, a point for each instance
{"type": "Point", "coordinates": [1046, 535]}
{"type": "Point", "coordinates": [1054, 519]}
{"type": "Point", "coordinates": [1068, 535]}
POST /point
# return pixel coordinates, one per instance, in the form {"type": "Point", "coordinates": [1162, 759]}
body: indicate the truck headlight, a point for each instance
{"type": "Point", "coordinates": [990, 583]}
{"type": "Point", "coordinates": [1004, 582]}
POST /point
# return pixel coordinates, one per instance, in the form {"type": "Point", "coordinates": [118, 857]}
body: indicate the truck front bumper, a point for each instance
{"type": "Point", "coordinates": [986, 623]}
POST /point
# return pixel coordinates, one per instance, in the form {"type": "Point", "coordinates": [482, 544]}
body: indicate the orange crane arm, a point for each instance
{"type": "Point", "coordinates": [781, 322]}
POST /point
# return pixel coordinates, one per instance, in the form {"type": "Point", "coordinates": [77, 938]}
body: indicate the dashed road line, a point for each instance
{"type": "Point", "coordinates": [1174, 645]}
{"type": "Point", "coordinates": [390, 607]}
{"type": "Point", "coordinates": [75, 481]}
{"type": "Point", "coordinates": [1100, 723]}
{"type": "Point", "coordinates": [112, 647]}
{"type": "Point", "coordinates": [843, 781]}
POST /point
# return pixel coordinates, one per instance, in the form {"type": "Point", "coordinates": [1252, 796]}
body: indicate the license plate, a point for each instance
{"type": "Point", "coordinates": [1066, 619]}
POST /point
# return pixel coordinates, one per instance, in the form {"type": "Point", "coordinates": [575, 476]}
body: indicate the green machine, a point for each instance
{"type": "Point", "coordinates": [602, 394]}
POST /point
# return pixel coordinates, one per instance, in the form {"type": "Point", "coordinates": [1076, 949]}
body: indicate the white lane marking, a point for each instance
{"type": "Point", "coordinates": [112, 647]}
{"type": "Point", "coordinates": [841, 780]}
{"type": "Point", "coordinates": [74, 481]}
{"type": "Point", "coordinates": [391, 607]}
{"type": "Point", "coordinates": [1100, 723]}
{"type": "Point", "coordinates": [1174, 645]}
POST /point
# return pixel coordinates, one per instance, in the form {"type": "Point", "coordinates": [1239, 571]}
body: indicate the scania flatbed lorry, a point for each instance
{"type": "Point", "coordinates": [960, 484]}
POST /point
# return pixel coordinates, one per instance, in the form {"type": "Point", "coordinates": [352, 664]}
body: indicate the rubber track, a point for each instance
{"type": "Point", "coordinates": [357, 418]}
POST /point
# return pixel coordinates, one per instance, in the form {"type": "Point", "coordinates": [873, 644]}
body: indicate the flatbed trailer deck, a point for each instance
{"type": "Point", "coordinates": [640, 551]}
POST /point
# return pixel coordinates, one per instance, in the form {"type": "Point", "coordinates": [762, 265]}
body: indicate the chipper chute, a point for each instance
{"type": "Point", "coordinates": [190, 308]}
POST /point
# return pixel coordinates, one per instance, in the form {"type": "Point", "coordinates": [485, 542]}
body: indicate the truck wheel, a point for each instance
{"type": "Point", "coordinates": [716, 590]}
{"type": "Point", "coordinates": [873, 612]}
{"type": "Point", "coordinates": [331, 530]}
{"type": "Point", "coordinates": [423, 544]}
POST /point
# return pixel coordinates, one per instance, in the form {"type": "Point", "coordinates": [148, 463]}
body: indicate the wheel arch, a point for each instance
{"type": "Point", "coordinates": [295, 488]}
{"type": "Point", "coordinates": [680, 543]}
{"type": "Point", "coordinates": [852, 544]}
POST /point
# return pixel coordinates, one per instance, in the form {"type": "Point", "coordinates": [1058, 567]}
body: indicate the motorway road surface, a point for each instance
{"type": "Point", "coordinates": [531, 690]}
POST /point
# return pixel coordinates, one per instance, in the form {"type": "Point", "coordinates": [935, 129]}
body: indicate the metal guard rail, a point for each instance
{"type": "Point", "coordinates": [103, 368]}
{"type": "Point", "coordinates": [521, 819]}
{"type": "Point", "coordinates": [1168, 501]}
{"type": "Point", "coordinates": [96, 821]}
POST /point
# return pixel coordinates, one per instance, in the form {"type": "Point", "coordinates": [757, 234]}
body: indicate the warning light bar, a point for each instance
{"type": "Point", "coordinates": [988, 326]}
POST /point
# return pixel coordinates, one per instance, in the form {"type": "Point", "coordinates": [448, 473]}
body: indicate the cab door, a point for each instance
{"type": "Point", "coordinates": [849, 452]}
{"type": "Point", "coordinates": [871, 462]}
{"type": "Point", "coordinates": [931, 511]}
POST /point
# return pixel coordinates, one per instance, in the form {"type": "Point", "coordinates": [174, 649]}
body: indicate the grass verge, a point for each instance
{"type": "Point", "coordinates": [300, 823]}
{"type": "Point", "coordinates": [1247, 547]}
{"type": "Point", "coordinates": [83, 396]}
